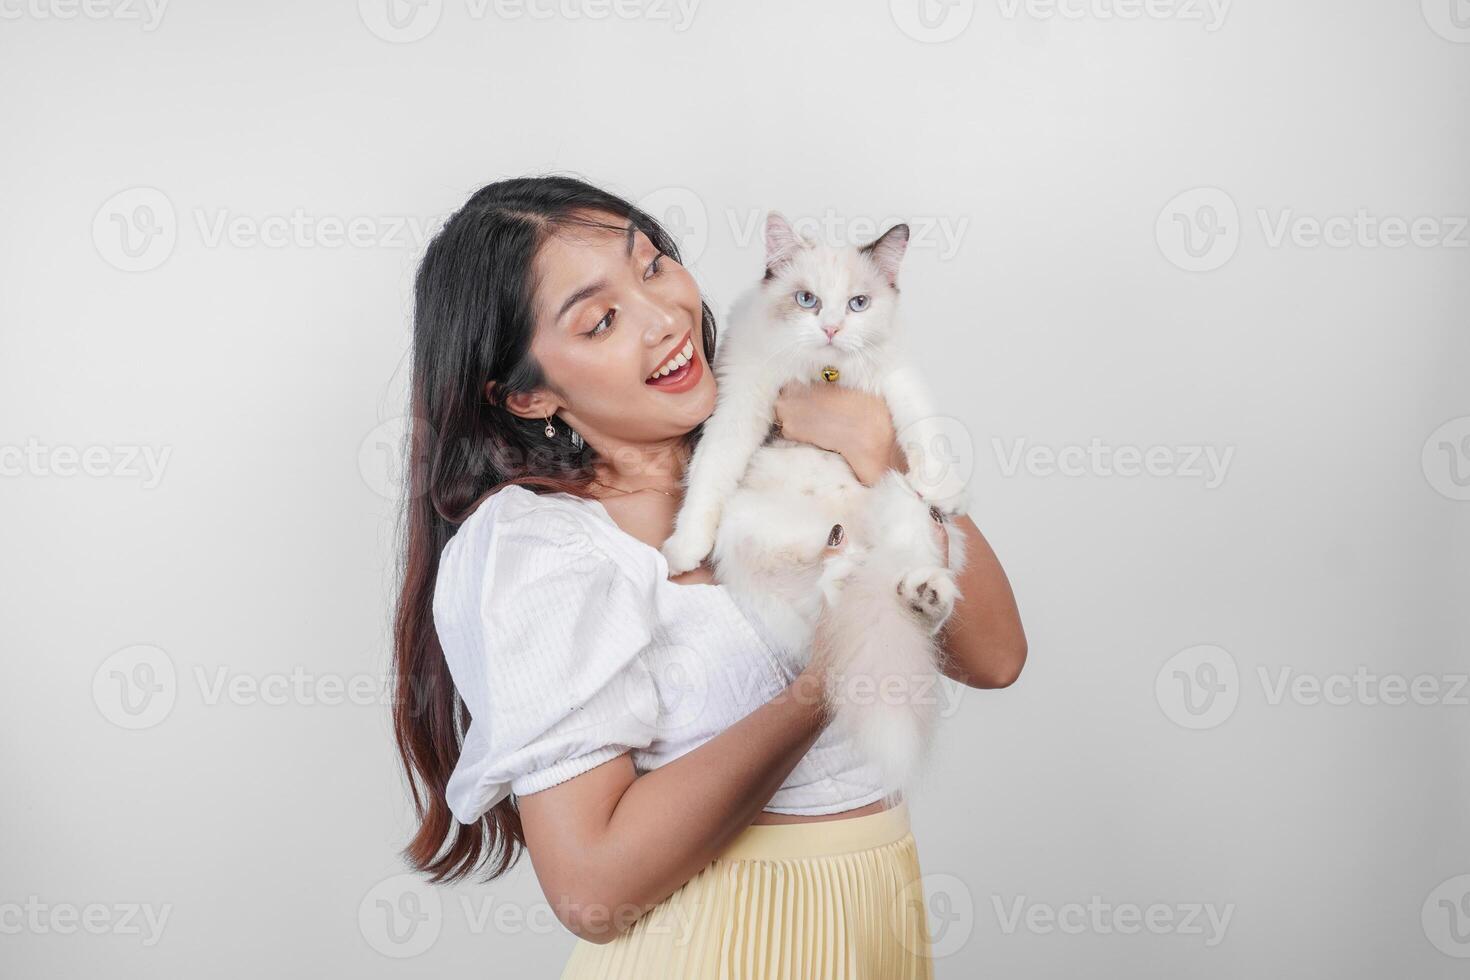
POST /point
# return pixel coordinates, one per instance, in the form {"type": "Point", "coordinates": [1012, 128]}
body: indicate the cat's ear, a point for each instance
{"type": "Point", "coordinates": [887, 251]}
{"type": "Point", "coordinates": [781, 240]}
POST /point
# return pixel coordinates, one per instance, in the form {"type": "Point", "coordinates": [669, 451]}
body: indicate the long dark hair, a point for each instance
{"type": "Point", "coordinates": [472, 324]}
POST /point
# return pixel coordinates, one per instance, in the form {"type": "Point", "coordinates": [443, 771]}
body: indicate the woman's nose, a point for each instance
{"type": "Point", "coordinates": [660, 321]}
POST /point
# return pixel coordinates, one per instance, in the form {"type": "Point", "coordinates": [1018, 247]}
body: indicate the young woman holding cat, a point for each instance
{"type": "Point", "coordinates": [669, 768]}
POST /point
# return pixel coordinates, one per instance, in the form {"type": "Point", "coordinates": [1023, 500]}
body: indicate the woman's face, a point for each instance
{"type": "Point", "coordinates": [612, 314]}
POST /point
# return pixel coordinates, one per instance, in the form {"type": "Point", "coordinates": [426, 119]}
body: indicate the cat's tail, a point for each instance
{"type": "Point", "coordinates": [883, 686]}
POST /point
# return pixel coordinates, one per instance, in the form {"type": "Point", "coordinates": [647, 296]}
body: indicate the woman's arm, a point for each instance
{"type": "Point", "coordinates": [608, 845]}
{"type": "Point", "coordinates": [984, 639]}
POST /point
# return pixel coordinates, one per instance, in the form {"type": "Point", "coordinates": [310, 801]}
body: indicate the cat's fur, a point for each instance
{"type": "Point", "coordinates": [764, 505]}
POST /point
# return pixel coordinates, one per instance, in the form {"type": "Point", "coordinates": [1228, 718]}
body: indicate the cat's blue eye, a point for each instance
{"type": "Point", "coordinates": [858, 303]}
{"type": "Point", "coordinates": [806, 300]}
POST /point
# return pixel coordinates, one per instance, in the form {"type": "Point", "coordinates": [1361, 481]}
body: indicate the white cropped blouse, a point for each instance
{"type": "Point", "coordinates": [570, 647]}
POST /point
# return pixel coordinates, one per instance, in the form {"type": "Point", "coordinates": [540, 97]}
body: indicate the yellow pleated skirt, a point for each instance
{"type": "Point", "coordinates": [828, 900]}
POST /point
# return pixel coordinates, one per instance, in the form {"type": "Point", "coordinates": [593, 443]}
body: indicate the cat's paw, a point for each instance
{"type": "Point", "coordinates": [954, 504]}
{"type": "Point", "coordinates": [930, 592]}
{"type": "Point", "coordinates": [686, 548]}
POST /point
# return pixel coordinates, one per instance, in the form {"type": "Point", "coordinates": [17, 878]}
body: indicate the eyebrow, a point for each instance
{"type": "Point", "coordinates": [593, 288]}
{"type": "Point", "coordinates": [590, 289]}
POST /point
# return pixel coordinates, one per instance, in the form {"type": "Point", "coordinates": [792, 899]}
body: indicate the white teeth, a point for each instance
{"type": "Point", "coordinates": [685, 355]}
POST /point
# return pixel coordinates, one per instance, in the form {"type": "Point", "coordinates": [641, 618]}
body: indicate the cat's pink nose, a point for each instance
{"type": "Point", "coordinates": [831, 331]}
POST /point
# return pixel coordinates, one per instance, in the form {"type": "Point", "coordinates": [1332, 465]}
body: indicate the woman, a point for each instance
{"type": "Point", "coordinates": [687, 810]}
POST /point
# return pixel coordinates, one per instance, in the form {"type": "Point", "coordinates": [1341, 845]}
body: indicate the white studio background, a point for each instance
{"type": "Point", "coordinates": [1191, 276]}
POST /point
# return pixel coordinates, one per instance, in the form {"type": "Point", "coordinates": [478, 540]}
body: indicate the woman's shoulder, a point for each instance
{"type": "Point", "coordinates": [515, 519]}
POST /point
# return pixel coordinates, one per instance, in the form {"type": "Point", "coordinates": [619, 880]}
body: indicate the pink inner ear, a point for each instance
{"type": "Point", "coordinates": [781, 239]}
{"type": "Point", "coordinates": [887, 252]}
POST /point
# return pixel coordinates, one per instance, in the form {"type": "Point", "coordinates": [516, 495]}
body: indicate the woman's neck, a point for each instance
{"type": "Point", "coordinates": [630, 466]}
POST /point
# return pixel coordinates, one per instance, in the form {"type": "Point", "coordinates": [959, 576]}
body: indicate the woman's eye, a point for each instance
{"type": "Point", "coordinates": [602, 326]}
{"type": "Point", "coordinates": [654, 266]}
{"type": "Point", "coordinates": [858, 303]}
{"type": "Point", "coordinates": [806, 300]}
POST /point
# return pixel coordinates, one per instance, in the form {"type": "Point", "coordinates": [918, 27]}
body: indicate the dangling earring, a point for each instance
{"type": "Point", "coordinates": [550, 429]}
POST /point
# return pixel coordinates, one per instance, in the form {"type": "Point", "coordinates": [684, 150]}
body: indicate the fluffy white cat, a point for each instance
{"type": "Point", "coordinates": [764, 506]}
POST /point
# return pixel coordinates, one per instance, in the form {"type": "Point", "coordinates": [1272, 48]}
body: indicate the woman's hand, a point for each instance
{"type": "Point", "coordinates": [852, 423]}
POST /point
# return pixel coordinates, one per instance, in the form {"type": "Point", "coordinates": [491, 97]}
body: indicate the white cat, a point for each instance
{"type": "Point", "coordinates": [764, 505]}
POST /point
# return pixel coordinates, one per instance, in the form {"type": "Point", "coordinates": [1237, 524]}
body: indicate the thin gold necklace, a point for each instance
{"type": "Point", "coordinates": [639, 490]}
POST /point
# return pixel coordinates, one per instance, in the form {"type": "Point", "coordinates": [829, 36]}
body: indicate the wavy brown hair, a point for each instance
{"type": "Point", "coordinates": [472, 324]}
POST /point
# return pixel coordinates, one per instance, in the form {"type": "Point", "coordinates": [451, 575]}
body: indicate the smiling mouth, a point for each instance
{"type": "Point", "coordinates": [677, 366]}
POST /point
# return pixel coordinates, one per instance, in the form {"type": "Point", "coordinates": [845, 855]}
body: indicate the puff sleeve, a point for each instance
{"type": "Point", "coordinates": [544, 633]}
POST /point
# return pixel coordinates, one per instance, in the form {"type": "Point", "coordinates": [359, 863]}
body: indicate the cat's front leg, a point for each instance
{"type": "Point", "coordinates": [936, 465]}
{"type": "Point", "coordinates": [837, 570]}
{"type": "Point", "coordinates": [731, 437]}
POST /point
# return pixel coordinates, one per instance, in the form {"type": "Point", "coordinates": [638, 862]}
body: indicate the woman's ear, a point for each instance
{"type": "Point", "coordinates": [536, 404]}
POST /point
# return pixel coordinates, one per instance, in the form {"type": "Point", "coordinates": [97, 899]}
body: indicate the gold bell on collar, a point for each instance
{"type": "Point", "coordinates": [830, 374]}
